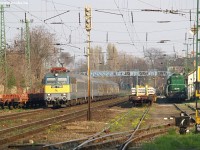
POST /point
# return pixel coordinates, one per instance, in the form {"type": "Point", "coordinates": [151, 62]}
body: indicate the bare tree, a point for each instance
{"type": "Point", "coordinates": [112, 57]}
{"type": "Point", "coordinates": [42, 52]}
{"type": "Point", "coordinates": [96, 58]}
{"type": "Point", "coordinates": [152, 55]}
{"type": "Point", "coordinates": [42, 47]}
{"type": "Point", "coordinates": [65, 58]}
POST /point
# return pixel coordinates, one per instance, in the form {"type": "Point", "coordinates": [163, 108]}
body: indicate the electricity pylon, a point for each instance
{"type": "Point", "coordinates": [3, 61]}
{"type": "Point", "coordinates": [197, 83]}
{"type": "Point", "coordinates": [28, 76]}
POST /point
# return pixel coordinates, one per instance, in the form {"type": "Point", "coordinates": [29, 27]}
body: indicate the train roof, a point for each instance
{"type": "Point", "coordinates": [64, 74]}
{"type": "Point", "coordinates": [176, 74]}
{"type": "Point", "coordinates": [79, 77]}
{"type": "Point", "coordinates": [85, 78]}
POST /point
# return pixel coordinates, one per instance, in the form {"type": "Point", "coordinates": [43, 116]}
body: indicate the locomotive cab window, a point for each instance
{"type": "Point", "coordinates": [50, 80]}
{"type": "Point", "coordinates": [57, 81]}
{"type": "Point", "coordinates": [63, 81]}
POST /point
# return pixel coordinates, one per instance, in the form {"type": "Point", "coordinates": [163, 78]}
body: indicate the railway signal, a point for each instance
{"type": "Point", "coordinates": [182, 122]}
{"type": "Point", "coordinates": [88, 18]}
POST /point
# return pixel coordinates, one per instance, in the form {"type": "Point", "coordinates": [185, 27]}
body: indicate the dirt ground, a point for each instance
{"type": "Point", "coordinates": [101, 118]}
{"type": "Point", "coordinates": [81, 128]}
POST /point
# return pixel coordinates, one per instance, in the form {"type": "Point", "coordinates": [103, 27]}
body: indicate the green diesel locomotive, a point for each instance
{"type": "Point", "coordinates": [176, 88]}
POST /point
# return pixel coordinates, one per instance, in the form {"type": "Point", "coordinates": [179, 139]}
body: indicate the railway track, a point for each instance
{"type": "Point", "coordinates": [101, 140]}
{"type": "Point", "coordinates": [107, 140]}
{"type": "Point", "coordinates": [21, 114]}
{"type": "Point", "coordinates": [121, 140]}
{"type": "Point", "coordinates": [9, 135]}
{"type": "Point", "coordinates": [188, 109]}
{"type": "Point", "coordinates": [14, 119]}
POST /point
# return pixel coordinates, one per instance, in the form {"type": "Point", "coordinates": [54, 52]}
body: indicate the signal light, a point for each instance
{"type": "Point", "coordinates": [88, 18]}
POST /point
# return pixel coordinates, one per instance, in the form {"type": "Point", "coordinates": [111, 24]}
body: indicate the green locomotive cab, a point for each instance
{"type": "Point", "coordinates": [176, 88]}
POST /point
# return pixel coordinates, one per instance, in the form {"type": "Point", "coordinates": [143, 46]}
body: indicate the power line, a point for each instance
{"type": "Point", "coordinates": [33, 16]}
{"type": "Point", "coordinates": [57, 15]}
{"type": "Point", "coordinates": [124, 23]}
{"type": "Point", "coordinates": [61, 19]}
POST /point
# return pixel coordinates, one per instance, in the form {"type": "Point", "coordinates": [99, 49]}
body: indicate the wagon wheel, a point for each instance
{"type": "Point", "coordinates": [24, 105]}
{"type": "Point", "coordinates": [2, 106]}
{"type": "Point", "coordinates": [21, 105]}
{"type": "Point", "coordinates": [45, 104]}
{"type": "Point", "coordinates": [10, 105]}
{"type": "Point", "coordinates": [27, 105]}
{"type": "Point", "coordinates": [141, 102]}
{"type": "Point", "coordinates": [134, 104]}
{"type": "Point", "coordinates": [15, 105]}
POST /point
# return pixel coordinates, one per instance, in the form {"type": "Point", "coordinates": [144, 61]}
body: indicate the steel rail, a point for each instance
{"type": "Point", "coordinates": [118, 139]}
{"type": "Point", "coordinates": [15, 115]}
{"type": "Point", "coordinates": [49, 119]}
{"type": "Point", "coordinates": [142, 137]}
{"type": "Point", "coordinates": [192, 118]}
{"type": "Point", "coordinates": [92, 138]}
{"type": "Point", "coordinates": [120, 134]}
{"type": "Point", "coordinates": [126, 143]}
{"type": "Point", "coordinates": [52, 122]}
{"type": "Point", "coordinates": [34, 131]}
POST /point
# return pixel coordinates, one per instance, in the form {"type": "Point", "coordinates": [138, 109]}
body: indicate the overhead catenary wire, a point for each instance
{"type": "Point", "coordinates": [124, 11]}
{"type": "Point", "coordinates": [61, 19]}
{"type": "Point", "coordinates": [41, 20]}
{"type": "Point", "coordinates": [57, 15]}
{"type": "Point", "coordinates": [124, 23]}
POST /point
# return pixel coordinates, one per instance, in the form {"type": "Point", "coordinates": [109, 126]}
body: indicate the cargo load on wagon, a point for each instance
{"type": "Point", "coordinates": [142, 94]}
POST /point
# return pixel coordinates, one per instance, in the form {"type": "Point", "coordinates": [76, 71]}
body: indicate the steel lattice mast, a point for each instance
{"type": "Point", "coordinates": [28, 80]}
{"type": "Point", "coordinates": [197, 84]}
{"type": "Point", "coordinates": [3, 62]}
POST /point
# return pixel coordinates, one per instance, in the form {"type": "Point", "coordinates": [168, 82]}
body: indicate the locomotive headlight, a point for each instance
{"type": "Point", "coordinates": [48, 94]}
{"type": "Point", "coordinates": [55, 74]}
{"type": "Point", "coordinates": [64, 94]}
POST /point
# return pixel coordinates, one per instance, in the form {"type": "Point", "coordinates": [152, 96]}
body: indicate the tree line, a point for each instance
{"type": "Point", "coordinates": [44, 53]}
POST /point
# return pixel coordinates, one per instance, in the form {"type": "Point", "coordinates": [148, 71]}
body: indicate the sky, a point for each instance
{"type": "Point", "coordinates": [129, 24]}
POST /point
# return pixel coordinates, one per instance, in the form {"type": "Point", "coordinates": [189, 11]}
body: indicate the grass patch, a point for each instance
{"type": "Point", "coordinates": [174, 141]}
{"type": "Point", "coordinates": [126, 121]}
{"type": "Point", "coordinates": [53, 128]}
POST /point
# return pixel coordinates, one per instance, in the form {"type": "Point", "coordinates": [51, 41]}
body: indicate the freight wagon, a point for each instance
{"type": "Point", "coordinates": [13, 100]}
{"type": "Point", "coordinates": [142, 94]}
